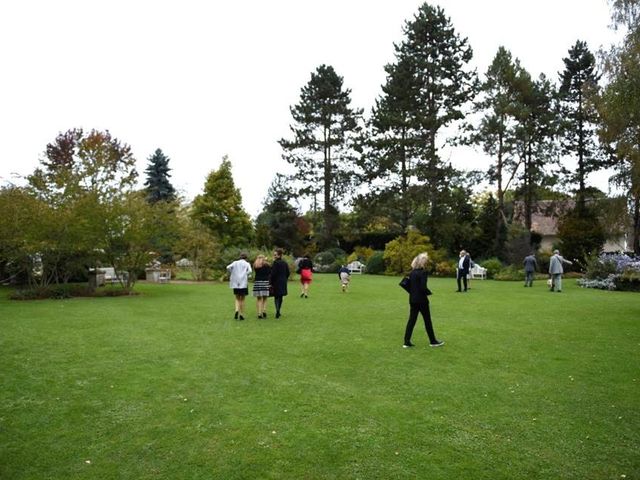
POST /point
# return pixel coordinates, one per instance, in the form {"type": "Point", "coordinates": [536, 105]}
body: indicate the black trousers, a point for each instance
{"type": "Point", "coordinates": [463, 276]}
{"type": "Point", "coordinates": [414, 309]}
{"type": "Point", "coordinates": [277, 301]}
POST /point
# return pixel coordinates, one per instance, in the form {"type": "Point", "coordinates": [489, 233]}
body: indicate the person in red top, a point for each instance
{"type": "Point", "coordinates": [305, 269]}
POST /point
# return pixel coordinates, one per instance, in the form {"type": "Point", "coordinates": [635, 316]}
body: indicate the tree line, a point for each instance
{"type": "Point", "coordinates": [370, 179]}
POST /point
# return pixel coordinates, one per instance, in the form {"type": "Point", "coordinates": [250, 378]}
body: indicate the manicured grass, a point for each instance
{"type": "Point", "coordinates": [166, 385]}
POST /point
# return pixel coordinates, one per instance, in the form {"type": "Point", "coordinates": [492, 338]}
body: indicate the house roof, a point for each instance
{"type": "Point", "coordinates": [544, 214]}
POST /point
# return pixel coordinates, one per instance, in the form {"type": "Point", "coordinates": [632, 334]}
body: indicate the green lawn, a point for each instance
{"type": "Point", "coordinates": [166, 385]}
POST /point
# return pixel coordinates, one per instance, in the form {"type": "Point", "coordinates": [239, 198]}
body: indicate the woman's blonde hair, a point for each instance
{"type": "Point", "coordinates": [420, 261]}
{"type": "Point", "coordinates": [260, 261]}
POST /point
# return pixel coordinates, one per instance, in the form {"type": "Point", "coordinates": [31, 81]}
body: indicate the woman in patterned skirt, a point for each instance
{"type": "Point", "coordinates": [261, 284]}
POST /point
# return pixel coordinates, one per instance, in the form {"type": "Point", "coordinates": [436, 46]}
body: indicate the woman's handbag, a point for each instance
{"type": "Point", "coordinates": [404, 283]}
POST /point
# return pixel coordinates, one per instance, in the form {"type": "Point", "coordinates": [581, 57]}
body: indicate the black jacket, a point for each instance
{"type": "Point", "coordinates": [279, 277]}
{"type": "Point", "coordinates": [418, 290]}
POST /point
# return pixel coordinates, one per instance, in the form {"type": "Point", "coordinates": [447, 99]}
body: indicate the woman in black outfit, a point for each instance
{"type": "Point", "coordinates": [419, 302]}
{"type": "Point", "coordinates": [279, 278]}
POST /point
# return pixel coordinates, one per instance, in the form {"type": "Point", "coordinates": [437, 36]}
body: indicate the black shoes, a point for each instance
{"type": "Point", "coordinates": [437, 344]}
{"type": "Point", "coordinates": [236, 316]}
{"type": "Point", "coordinates": [277, 314]}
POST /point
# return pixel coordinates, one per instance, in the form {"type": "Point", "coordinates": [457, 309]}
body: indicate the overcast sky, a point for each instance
{"type": "Point", "coordinates": [203, 79]}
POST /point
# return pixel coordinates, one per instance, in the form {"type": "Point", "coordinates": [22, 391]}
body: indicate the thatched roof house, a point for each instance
{"type": "Point", "coordinates": [545, 216]}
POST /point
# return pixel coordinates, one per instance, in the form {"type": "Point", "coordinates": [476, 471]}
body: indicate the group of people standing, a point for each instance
{"type": "Point", "coordinates": [270, 280]}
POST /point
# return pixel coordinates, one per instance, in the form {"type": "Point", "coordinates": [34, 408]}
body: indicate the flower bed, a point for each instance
{"type": "Point", "coordinates": [613, 272]}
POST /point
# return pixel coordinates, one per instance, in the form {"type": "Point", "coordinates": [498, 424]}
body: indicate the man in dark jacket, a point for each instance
{"type": "Point", "coordinates": [464, 263]}
{"type": "Point", "coordinates": [530, 266]}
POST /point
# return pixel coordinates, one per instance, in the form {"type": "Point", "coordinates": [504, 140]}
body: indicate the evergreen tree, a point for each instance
{"type": "Point", "coordinates": [496, 133]}
{"type": "Point", "coordinates": [579, 81]}
{"type": "Point", "coordinates": [324, 143]}
{"type": "Point", "coordinates": [535, 129]}
{"type": "Point", "coordinates": [394, 141]}
{"type": "Point", "coordinates": [487, 244]}
{"type": "Point", "coordinates": [440, 59]}
{"type": "Point", "coordinates": [279, 224]}
{"type": "Point", "coordinates": [157, 184]}
{"type": "Point", "coordinates": [581, 235]}
{"type": "Point", "coordinates": [219, 208]}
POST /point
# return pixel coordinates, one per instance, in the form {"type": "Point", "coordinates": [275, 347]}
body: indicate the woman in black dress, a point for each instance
{"type": "Point", "coordinates": [419, 302]}
{"type": "Point", "coordinates": [279, 278]}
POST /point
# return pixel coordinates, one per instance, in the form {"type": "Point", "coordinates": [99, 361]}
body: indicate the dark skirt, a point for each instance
{"type": "Point", "coordinates": [241, 291]}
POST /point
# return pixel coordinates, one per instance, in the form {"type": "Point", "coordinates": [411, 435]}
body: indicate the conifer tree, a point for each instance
{"type": "Point", "coordinates": [496, 133]}
{"type": "Point", "coordinates": [535, 130]}
{"type": "Point", "coordinates": [157, 184]}
{"type": "Point", "coordinates": [432, 67]}
{"type": "Point", "coordinates": [579, 82]}
{"type": "Point", "coordinates": [324, 144]}
{"type": "Point", "coordinates": [219, 208]}
{"type": "Point", "coordinates": [278, 225]}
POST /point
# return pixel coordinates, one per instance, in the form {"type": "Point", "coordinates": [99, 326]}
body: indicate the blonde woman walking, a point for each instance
{"type": "Point", "coordinates": [261, 284]}
{"type": "Point", "coordinates": [419, 302]}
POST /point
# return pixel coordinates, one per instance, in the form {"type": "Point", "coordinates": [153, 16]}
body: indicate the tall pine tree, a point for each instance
{"type": "Point", "coordinates": [496, 133]}
{"type": "Point", "coordinates": [324, 144]}
{"type": "Point", "coordinates": [446, 84]}
{"type": "Point", "coordinates": [157, 184]}
{"type": "Point", "coordinates": [579, 81]}
{"type": "Point", "coordinates": [535, 130]}
{"type": "Point", "coordinates": [394, 142]}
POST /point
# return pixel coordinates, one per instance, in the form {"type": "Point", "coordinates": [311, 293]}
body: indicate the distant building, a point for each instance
{"type": "Point", "coordinates": [545, 216]}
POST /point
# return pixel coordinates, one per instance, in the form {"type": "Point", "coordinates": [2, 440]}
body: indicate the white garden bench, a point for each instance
{"type": "Point", "coordinates": [356, 267]}
{"type": "Point", "coordinates": [478, 272]}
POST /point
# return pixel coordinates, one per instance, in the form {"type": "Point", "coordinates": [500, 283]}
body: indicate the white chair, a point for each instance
{"type": "Point", "coordinates": [164, 276]}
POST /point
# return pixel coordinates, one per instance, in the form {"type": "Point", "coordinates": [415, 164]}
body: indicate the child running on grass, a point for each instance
{"type": "Point", "coordinates": [345, 277]}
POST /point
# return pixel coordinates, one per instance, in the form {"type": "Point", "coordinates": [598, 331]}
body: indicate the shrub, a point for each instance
{"type": "Point", "coordinates": [399, 253]}
{"type": "Point", "coordinates": [362, 254]}
{"type": "Point", "coordinates": [329, 261]}
{"type": "Point", "coordinates": [375, 265]}
{"type": "Point", "coordinates": [628, 281]}
{"type": "Point", "coordinates": [493, 266]}
{"type": "Point", "coordinates": [446, 269]}
{"type": "Point", "coordinates": [67, 290]}
{"type": "Point", "coordinates": [510, 273]}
